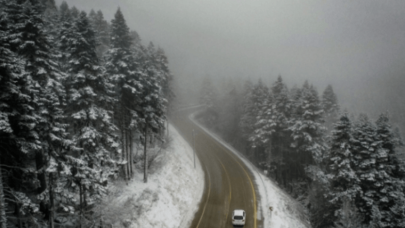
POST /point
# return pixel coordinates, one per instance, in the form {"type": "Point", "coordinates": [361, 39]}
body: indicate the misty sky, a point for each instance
{"type": "Point", "coordinates": [353, 45]}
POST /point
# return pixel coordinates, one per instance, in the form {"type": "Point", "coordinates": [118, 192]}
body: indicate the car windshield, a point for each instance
{"type": "Point", "coordinates": [238, 217]}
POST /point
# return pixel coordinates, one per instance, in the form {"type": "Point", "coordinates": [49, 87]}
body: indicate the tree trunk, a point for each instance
{"type": "Point", "coordinates": [51, 202]}
{"type": "Point", "coordinates": [17, 208]}
{"type": "Point", "coordinates": [3, 218]}
{"type": "Point", "coordinates": [167, 128]}
{"type": "Point", "coordinates": [124, 157]}
{"type": "Point", "coordinates": [84, 197]}
{"type": "Point", "coordinates": [39, 162]}
{"type": "Point", "coordinates": [145, 160]}
{"type": "Point", "coordinates": [131, 152]}
{"type": "Point", "coordinates": [128, 141]}
{"type": "Point", "coordinates": [81, 204]}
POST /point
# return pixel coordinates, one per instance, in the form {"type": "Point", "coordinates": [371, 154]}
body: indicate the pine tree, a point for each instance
{"type": "Point", "coordinates": [93, 133]}
{"type": "Point", "coordinates": [121, 68]}
{"type": "Point", "coordinates": [281, 140]}
{"type": "Point", "coordinates": [344, 181]}
{"type": "Point", "coordinates": [41, 82]}
{"type": "Point", "coordinates": [154, 101]}
{"type": "Point", "coordinates": [65, 24]}
{"type": "Point", "coordinates": [230, 115]}
{"type": "Point", "coordinates": [248, 117]}
{"type": "Point", "coordinates": [362, 171]}
{"type": "Point", "coordinates": [330, 106]}
{"type": "Point", "coordinates": [74, 12]}
{"type": "Point", "coordinates": [259, 96]}
{"type": "Point", "coordinates": [10, 91]}
{"type": "Point", "coordinates": [381, 190]}
{"type": "Point", "coordinates": [365, 147]}
{"type": "Point", "coordinates": [64, 11]}
{"type": "Point", "coordinates": [329, 101]}
{"type": "Point", "coordinates": [349, 216]}
{"type": "Point", "coordinates": [306, 126]}
{"type": "Point", "coordinates": [166, 79]}
{"type": "Point", "coordinates": [390, 175]}
{"type": "Point", "coordinates": [102, 33]}
{"type": "Point", "coordinates": [265, 125]}
{"type": "Point", "coordinates": [344, 184]}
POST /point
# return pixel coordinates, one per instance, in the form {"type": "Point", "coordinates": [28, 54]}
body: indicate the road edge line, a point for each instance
{"type": "Point", "coordinates": [208, 196]}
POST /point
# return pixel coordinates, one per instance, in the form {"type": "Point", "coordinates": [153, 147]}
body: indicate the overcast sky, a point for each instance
{"type": "Point", "coordinates": [352, 45]}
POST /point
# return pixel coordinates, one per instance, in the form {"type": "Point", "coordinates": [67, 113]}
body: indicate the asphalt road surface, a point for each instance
{"type": "Point", "coordinates": [229, 184]}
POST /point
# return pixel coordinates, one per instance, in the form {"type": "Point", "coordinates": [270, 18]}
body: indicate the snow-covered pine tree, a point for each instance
{"type": "Point", "coordinates": [88, 109]}
{"type": "Point", "coordinates": [282, 102]}
{"type": "Point", "coordinates": [258, 97]}
{"type": "Point", "coordinates": [49, 4]}
{"type": "Point", "coordinates": [229, 115]}
{"type": "Point", "coordinates": [365, 147]}
{"type": "Point", "coordinates": [370, 164]}
{"type": "Point", "coordinates": [74, 12]}
{"type": "Point", "coordinates": [248, 117]}
{"type": "Point", "coordinates": [91, 16]}
{"type": "Point", "coordinates": [264, 128]}
{"type": "Point", "coordinates": [349, 216]}
{"type": "Point", "coordinates": [264, 124]}
{"type": "Point", "coordinates": [306, 128]}
{"type": "Point", "coordinates": [101, 28]}
{"type": "Point", "coordinates": [330, 106]}
{"type": "Point", "coordinates": [13, 104]}
{"type": "Point", "coordinates": [121, 68]}
{"type": "Point", "coordinates": [42, 77]}
{"type": "Point", "coordinates": [162, 63]}
{"type": "Point", "coordinates": [344, 183]}
{"type": "Point", "coordinates": [51, 18]}
{"type": "Point", "coordinates": [281, 139]}
{"type": "Point", "coordinates": [153, 99]}
{"type": "Point", "coordinates": [64, 25]}
{"type": "Point", "coordinates": [391, 172]}
{"type": "Point", "coordinates": [64, 11]}
{"type": "Point", "coordinates": [329, 101]}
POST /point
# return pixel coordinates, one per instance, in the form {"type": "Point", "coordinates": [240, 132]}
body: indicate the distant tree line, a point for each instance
{"type": "Point", "coordinates": [345, 170]}
{"type": "Point", "coordinates": [76, 94]}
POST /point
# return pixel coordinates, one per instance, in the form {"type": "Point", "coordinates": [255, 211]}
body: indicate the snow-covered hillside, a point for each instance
{"type": "Point", "coordinates": [172, 194]}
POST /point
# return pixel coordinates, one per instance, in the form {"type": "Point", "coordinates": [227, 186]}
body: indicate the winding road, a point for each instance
{"type": "Point", "coordinates": [229, 184]}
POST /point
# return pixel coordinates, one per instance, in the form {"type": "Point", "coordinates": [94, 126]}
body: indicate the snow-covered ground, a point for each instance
{"type": "Point", "coordinates": [286, 212]}
{"type": "Point", "coordinates": [173, 192]}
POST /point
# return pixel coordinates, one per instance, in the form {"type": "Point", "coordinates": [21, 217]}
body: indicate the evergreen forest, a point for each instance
{"type": "Point", "coordinates": [77, 94]}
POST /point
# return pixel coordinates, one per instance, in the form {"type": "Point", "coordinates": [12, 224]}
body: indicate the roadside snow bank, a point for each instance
{"type": "Point", "coordinates": [286, 212]}
{"type": "Point", "coordinates": [173, 192]}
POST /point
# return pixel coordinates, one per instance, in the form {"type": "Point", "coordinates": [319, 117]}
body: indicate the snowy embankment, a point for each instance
{"type": "Point", "coordinates": [286, 212]}
{"type": "Point", "coordinates": [173, 192]}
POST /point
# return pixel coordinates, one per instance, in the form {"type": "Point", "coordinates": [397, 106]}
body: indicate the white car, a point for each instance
{"type": "Point", "coordinates": [238, 217]}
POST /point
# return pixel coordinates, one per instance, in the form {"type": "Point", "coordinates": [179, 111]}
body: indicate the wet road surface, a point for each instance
{"type": "Point", "coordinates": [229, 184]}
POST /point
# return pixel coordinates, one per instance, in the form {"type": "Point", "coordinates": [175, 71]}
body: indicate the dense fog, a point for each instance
{"type": "Point", "coordinates": [357, 46]}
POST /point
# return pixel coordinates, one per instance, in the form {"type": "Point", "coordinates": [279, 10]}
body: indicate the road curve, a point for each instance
{"type": "Point", "coordinates": [229, 184]}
